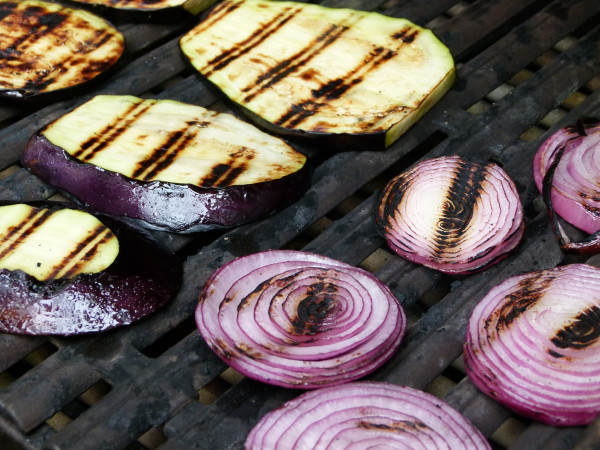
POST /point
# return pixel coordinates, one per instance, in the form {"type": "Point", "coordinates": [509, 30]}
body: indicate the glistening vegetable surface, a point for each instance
{"type": "Point", "coordinates": [349, 78]}
{"type": "Point", "coordinates": [47, 47]}
{"type": "Point", "coordinates": [533, 344]}
{"type": "Point", "coordinates": [566, 170]}
{"type": "Point", "coordinates": [169, 165]}
{"type": "Point", "coordinates": [298, 319]}
{"type": "Point", "coordinates": [364, 415]}
{"type": "Point", "coordinates": [64, 272]}
{"type": "Point", "coordinates": [452, 214]}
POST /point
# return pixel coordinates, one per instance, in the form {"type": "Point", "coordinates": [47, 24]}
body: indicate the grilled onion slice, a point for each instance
{"type": "Point", "coordinates": [533, 344]}
{"type": "Point", "coordinates": [298, 319]}
{"type": "Point", "coordinates": [151, 6]}
{"type": "Point", "coordinates": [64, 271]}
{"type": "Point", "coordinates": [566, 170]}
{"type": "Point", "coordinates": [365, 415]}
{"type": "Point", "coordinates": [346, 77]}
{"type": "Point", "coordinates": [452, 214]}
{"type": "Point", "coordinates": [169, 165]}
{"type": "Point", "coordinates": [45, 48]}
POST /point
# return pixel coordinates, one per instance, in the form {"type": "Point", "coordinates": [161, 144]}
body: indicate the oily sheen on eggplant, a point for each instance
{"type": "Point", "coordinates": [167, 165]}
{"type": "Point", "coordinates": [299, 320]}
{"type": "Point", "coordinates": [65, 272]}
{"type": "Point", "coordinates": [533, 344]}
{"type": "Point", "coordinates": [363, 415]}
{"type": "Point", "coordinates": [347, 78]}
{"type": "Point", "coordinates": [453, 214]}
{"type": "Point", "coordinates": [47, 48]}
{"type": "Point", "coordinates": [566, 170]}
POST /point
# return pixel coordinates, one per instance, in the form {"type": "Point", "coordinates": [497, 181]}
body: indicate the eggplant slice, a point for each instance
{"type": "Point", "coordinates": [169, 165]}
{"type": "Point", "coordinates": [63, 271]}
{"type": "Point", "coordinates": [151, 6]}
{"type": "Point", "coordinates": [46, 48]}
{"type": "Point", "coordinates": [350, 78]}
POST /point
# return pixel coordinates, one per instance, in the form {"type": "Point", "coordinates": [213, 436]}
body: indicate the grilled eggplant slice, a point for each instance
{"type": "Point", "coordinates": [46, 48]}
{"type": "Point", "coordinates": [151, 6]}
{"type": "Point", "coordinates": [172, 166]}
{"type": "Point", "coordinates": [350, 78]}
{"type": "Point", "coordinates": [64, 271]}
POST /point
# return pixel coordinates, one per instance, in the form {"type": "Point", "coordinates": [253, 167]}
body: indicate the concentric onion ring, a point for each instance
{"type": "Point", "coordinates": [576, 182]}
{"type": "Point", "coordinates": [452, 214]}
{"type": "Point", "coordinates": [533, 344]}
{"type": "Point", "coordinates": [298, 319]}
{"type": "Point", "coordinates": [364, 415]}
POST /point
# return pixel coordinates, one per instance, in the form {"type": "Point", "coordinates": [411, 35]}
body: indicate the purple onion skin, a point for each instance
{"type": "Point", "coordinates": [141, 280]}
{"type": "Point", "coordinates": [173, 207]}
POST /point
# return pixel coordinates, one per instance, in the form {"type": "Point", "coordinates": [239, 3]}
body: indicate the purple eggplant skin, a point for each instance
{"type": "Point", "coordinates": [141, 280]}
{"type": "Point", "coordinates": [164, 206]}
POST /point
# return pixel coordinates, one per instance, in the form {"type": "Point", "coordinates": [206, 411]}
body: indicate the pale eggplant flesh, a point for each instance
{"type": "Point", "coordinates": [167, 165]}
{"type": "Point", "coordinates": [101, 274]}
{"type": "Point", "coordinates": [46, 48]}
{"type": "Point", "coordinates": [348, 78]}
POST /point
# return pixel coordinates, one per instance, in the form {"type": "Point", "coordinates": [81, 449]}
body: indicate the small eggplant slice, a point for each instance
{"type": "Point", "coordinates": [45, 48]}
{"type": "Point", "coordinates": [349, 78]}
{"type": "Point", "coordinates": [63, 271]}
{"type": "Point", "coordinates": [151, 6]}
{"type": "Point", "coordinates": [171, 166]}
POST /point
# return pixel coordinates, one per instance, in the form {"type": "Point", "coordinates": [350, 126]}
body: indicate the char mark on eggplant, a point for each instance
{"type": "Point", "coordinates": [19, 233]}
{"type": "Point", "coordinates": [582, 332]}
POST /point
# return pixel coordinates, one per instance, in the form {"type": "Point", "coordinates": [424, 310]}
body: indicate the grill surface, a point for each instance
{"type": "Point", "coordinates": [525, 68]}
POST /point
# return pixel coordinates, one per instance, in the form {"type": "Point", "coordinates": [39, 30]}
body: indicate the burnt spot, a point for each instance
{"type": "Point", "coordinates": [258, 36]}
{"type": "Point", "coordinates": [279, 282]}
{"type": "Point", "coordinates": [103, 138]}
{"type": "Point", "coordinates": [555, 354]}
{"type": "Point", "coordinates": [389, 201]}
{"type": "Point", "coordinates": [336, 88]}
{"type": "Point", "coordinates": [461, 198]}
{"type": "Point", "coordinates": [248, 351]}
{"type": "Point", "coordinates": [529, 291]}
{"type": "Point", "coordinates": [83, 252]}
{"type": "Point", "coordinates": [18, 234]}
{"type": "Point", "coordinates": [219, 346]}
{"type": "Point", "coordinates": [582, 332]}
{"type": "Point", "coordinates": [396, 426]}
{"type": "Point", "coordinates": [315, 309]}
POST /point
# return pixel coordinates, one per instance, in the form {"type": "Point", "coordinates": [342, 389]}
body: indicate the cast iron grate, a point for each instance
{"type": "Point", "coordinates": [525, 68]}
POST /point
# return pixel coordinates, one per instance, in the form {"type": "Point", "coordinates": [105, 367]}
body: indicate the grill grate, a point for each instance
{"type": "Point", "coordinates": [525, 68]}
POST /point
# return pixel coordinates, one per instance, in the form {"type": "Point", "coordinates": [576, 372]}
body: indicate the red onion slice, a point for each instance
{"type": "Point", "coordinates": [364, 415]}
{"type": "Point", "coordinates": [533, 344]}
{"type": "Point", "coordinates": [298, 319]}
{"type": "Point", "coordinates": [566, 170]}
{"type": "Point", "coordinates": [452, 214]}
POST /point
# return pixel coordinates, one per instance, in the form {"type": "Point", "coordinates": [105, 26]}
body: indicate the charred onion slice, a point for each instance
{"type": "Point", "coordinates": [533, 344]}
{"type": "Point", "coordinates": [45, 47]}
{"type": "Point", "coordinates": [308, 70]}
{"type": "Point", "coordinates": [170, 165]}
{"type": "Point", "coordinates": [566, 170]}
{"type": "Point", "coordinates": [452, 214]}
{"type": "Point", "coordinates": [299, 320]}
{"type": "Point", "coordinates": [363, 415]}
{"type": "Point", "coordinates": [192, 6]}
{"type": "Point", "coordinates": [63, 271]}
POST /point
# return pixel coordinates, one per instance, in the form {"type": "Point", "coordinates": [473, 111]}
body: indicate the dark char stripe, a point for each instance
{"type": "Point", "coordinates": [582, 332]}
{"type": "Point", "coordinates": [258, 36]}
{"type": "Point", "coordinates": [79, 255]}
{"type": "Point", "coordinates": [225, 174]}
{"type": "Point", "coordinates": [463, 194]}
{"type": "Point", "coordinates": [111, 131]}
{"type": "Point", "coordinates": [21, 231]}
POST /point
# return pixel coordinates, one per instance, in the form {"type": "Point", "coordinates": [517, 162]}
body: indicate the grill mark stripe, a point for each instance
{"type": "Point", "coordinates": [111, 131]}
{"type": "Point", "coordinates": [466, 184]}
{"type": "Point", "coordinates": [83, 251]}
{"type": "Point", "coordinates": [19, 233]}
{"type": "Point", "coordinates": [256, 38]}
{"type": "Point", "coordinates": [162, 157]}
{"type": "Point", "coordinates": [582, 332]}
{"type": "Point", "coordinates": [225, 174]}
{"type": "Point", "coordinates": [334, 89]}
{"type": "Point", "coordinates": [217, 14]}
{"type": "Point", "coordinates": [285, 67]}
